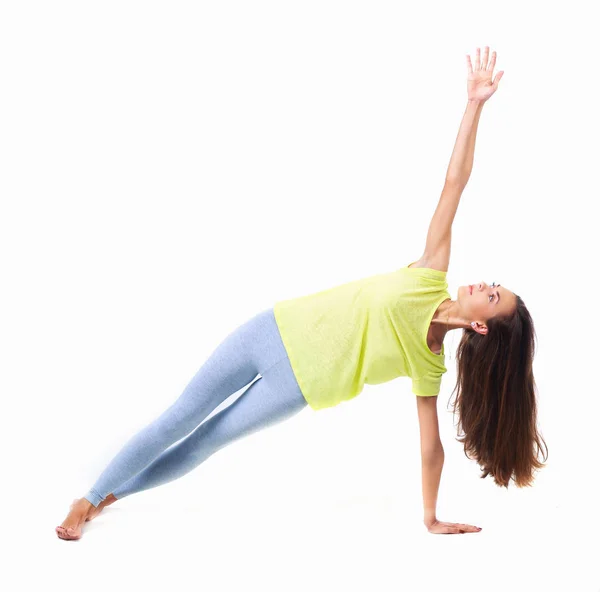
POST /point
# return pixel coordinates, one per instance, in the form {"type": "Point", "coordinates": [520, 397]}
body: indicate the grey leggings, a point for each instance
{"type": "Point", "coordinates": [148, 459]}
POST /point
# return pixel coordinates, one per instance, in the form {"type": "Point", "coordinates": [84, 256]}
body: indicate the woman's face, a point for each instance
{"type": "Point", "coordinates": [481, 301]}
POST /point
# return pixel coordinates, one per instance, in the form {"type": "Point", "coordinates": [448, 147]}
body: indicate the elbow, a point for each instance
{"type": "Point", "coordinates": [456, 180]}
{"type": "Point", "coordinates": [433, 455]}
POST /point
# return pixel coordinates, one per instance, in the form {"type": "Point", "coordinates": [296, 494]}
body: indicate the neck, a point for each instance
{"type": "Point", "coordinates": [446, 318]}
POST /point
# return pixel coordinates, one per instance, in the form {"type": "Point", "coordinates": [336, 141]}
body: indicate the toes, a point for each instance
{"type": "Point", "coordinates": [68, 533]}
{"type": "Point", "coordinates": [73, 533]}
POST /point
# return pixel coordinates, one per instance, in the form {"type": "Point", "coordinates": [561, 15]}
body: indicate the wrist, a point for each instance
{"type": "Point", "coordinates": [429, 519]}
{"type": "Point", "coordinates": [475, 103]}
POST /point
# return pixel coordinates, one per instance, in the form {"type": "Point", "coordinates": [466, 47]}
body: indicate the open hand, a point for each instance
{"type": "Point", "coordinates": [439, 527]}
{"type": "Point", "coordinates": [480, 86]}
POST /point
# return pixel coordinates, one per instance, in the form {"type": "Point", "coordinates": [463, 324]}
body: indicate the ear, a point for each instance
{"type": "Point", "coordinates": [481, 329]}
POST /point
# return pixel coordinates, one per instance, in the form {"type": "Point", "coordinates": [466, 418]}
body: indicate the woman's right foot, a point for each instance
{"type": "Point", "coordinates": [81, 511]}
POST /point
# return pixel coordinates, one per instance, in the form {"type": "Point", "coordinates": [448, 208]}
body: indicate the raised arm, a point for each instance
{"type": "Point", "coordinates": [479, 89]}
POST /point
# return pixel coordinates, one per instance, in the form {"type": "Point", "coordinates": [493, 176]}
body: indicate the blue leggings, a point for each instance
{"type": "Point", "coordinates": [253, 348]}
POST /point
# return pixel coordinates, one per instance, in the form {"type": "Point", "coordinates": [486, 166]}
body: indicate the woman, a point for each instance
{"type": "Point", "coordinates": [321, 349]}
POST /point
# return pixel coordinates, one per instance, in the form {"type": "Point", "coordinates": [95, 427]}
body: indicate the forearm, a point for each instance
{"type": "Point", "coordinates": [431, 467]}
{"type": "Point", "coordinates": [461, 161]}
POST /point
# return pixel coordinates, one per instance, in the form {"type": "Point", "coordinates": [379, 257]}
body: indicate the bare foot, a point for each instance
{"type": "Point", "coordinates": [81, 511]}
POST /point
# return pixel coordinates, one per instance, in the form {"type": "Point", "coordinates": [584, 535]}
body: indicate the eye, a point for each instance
{"type": "Point", "coordinates": [491, 295]}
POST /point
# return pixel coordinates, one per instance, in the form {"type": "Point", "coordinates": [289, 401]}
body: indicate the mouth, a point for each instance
{"type": "Point", "coordinates": [471, 289]}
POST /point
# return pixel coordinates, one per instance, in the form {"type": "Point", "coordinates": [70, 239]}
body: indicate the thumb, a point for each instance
{"type": "Point", "coordinates": [497, 78]}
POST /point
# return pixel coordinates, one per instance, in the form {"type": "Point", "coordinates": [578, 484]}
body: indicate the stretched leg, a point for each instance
{"type": "Point", "coordinates": [253, 347]}
{"type": "Point", "coordinates": [271, 399]}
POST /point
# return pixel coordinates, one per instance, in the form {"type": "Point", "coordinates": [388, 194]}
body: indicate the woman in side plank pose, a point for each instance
{"type": "Point", "coordinates": [320, 350]}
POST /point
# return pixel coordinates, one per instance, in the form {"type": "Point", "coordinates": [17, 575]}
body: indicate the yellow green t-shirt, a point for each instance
{"type": "Point", "coordinates": [369, 331]}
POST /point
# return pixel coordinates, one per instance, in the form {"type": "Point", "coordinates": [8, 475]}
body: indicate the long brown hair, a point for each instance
{"type": "Point", "coordinates": [496, 399]}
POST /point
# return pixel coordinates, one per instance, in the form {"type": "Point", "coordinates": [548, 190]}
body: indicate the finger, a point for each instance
{"type": "Point", "coordinates": [459, 528]}
{"type": "Point", "coordinates": [477, 59]}
{"type": "Point", "coordinates": [492, 63]}
{"type": "Point", "coordinates": [497, 79]}
{"type": "Point", "coordinates": [484, 60]}
{"type": "Point", "coordinates": [469, 65]}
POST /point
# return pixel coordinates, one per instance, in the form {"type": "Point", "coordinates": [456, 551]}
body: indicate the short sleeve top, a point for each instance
{"type": "Point", "coordinates": [367, 331]}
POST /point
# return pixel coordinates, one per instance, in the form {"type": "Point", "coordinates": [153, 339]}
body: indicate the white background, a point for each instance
{"type": "Point", "coordinates": [169, 169]}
